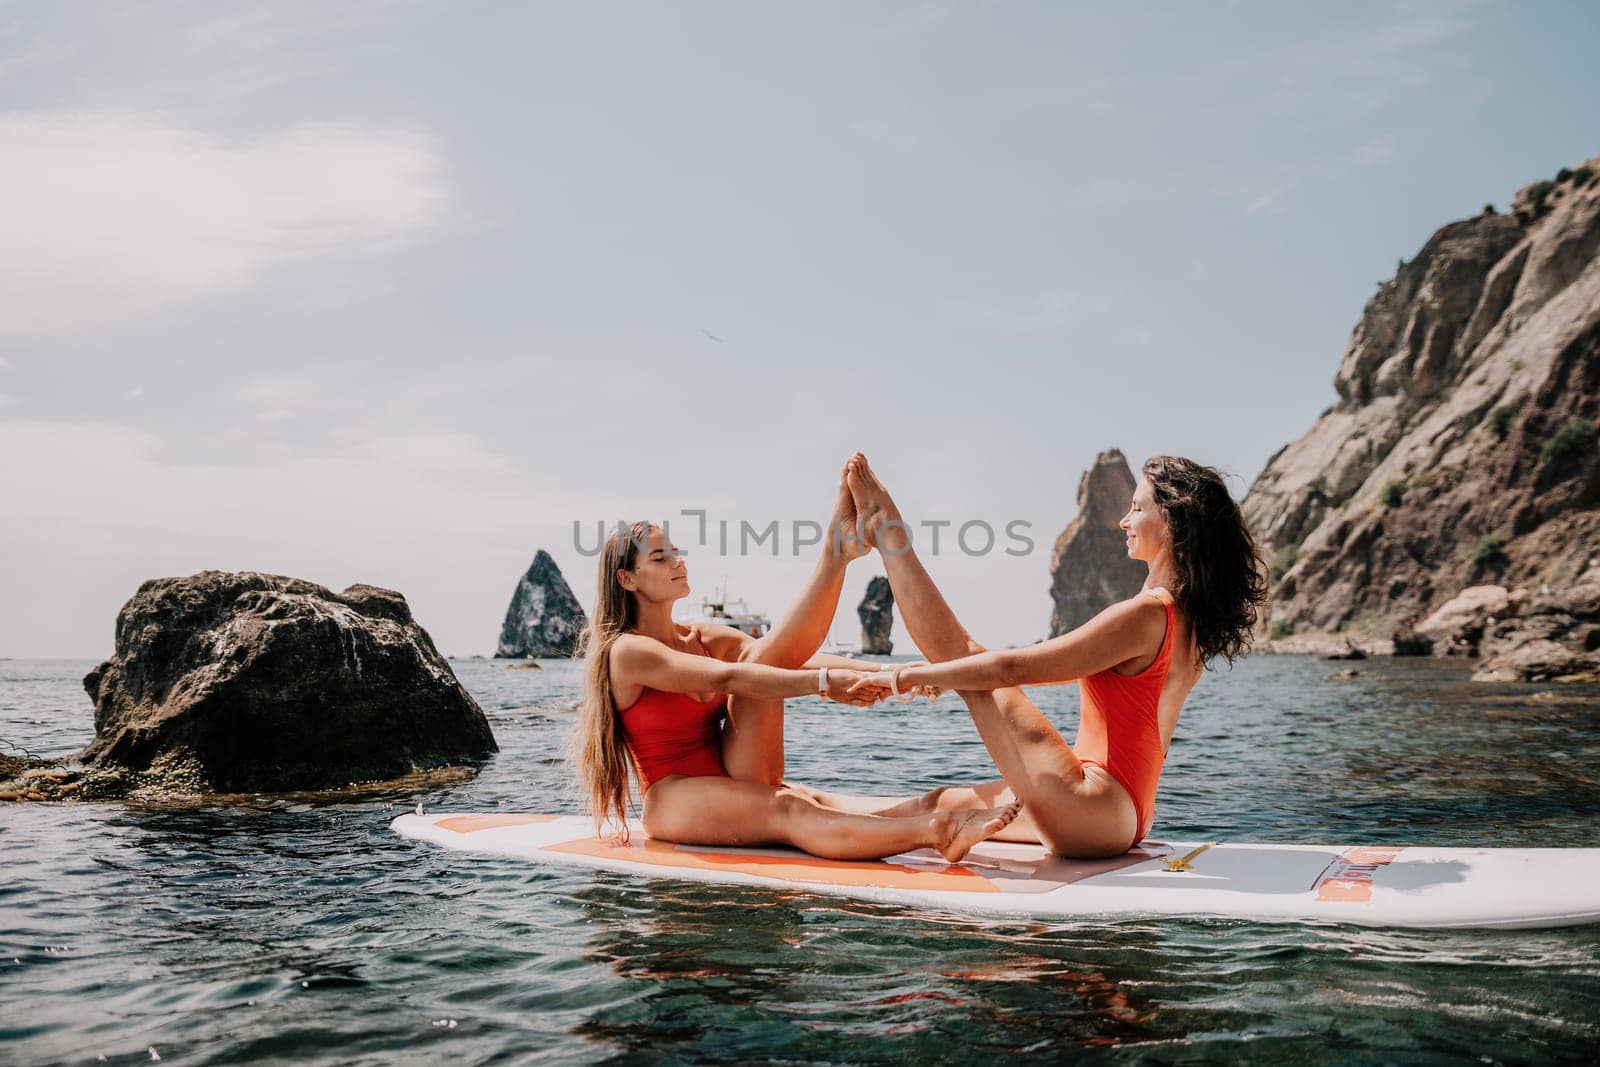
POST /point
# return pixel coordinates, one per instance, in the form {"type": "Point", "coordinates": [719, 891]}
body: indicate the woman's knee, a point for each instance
{"type": "Point", "coordinates": [787, 802]}
{"type": "Point", "coordinates": [655, 824]}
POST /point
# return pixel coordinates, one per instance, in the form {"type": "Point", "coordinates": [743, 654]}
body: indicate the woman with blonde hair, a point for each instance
{"type": "Point", "coordinates": [695, 713]}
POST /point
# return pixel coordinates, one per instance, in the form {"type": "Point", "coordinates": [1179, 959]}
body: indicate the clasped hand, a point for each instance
{"type": "Point", "coordinates": [865, 688]}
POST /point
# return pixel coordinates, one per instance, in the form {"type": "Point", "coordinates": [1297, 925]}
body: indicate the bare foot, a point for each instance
{"type": "Point", "coordinates": [967, 828]}
{"type": "Point", "coordinates": [885, 530]}
{"type": "Point", "coordinates": [844, 525]}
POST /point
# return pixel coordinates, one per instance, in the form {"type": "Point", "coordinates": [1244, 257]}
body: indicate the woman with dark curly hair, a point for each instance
{"type": "Point", "coordinates": [1135, 663]}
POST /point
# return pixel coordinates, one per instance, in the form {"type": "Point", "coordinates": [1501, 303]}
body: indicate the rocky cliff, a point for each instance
{"type": "Point", "coordinates": [876, 613]}
{"type": "Point", "coordinates": [544, 618]}
{"type": "Point", "coordinates": [1090, 568]}
{"type": "Point", "coordinates": [1461, 450]}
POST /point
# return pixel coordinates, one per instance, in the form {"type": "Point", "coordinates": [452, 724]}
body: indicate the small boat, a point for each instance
{"type": "Point", "coordinates": [734, 613]}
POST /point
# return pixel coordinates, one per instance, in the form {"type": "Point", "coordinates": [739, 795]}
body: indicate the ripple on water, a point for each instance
{"type": "Point", "coordinates": [302, 929]}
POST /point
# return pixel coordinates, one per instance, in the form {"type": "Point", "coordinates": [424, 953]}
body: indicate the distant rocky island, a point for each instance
{"type": "Point", "coordinates": [1448, 502]}
{"type": "Point", "coordinates": [876, 612]}
{"type": "Point", "coordinates": [544, 618]}
{"type": "Point", "coordinates": [1090, 568]}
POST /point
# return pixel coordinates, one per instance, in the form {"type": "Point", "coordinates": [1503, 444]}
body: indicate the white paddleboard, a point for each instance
{"type": "Point", "coordinates": [1373, 885]}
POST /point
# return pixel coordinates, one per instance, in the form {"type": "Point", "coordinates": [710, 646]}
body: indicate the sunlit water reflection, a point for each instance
{"type": "Point", "coordinates": [302, 929]}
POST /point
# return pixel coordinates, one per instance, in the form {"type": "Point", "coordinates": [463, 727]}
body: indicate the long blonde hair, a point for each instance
{"type": "Point", "coordinates": [602, 756]}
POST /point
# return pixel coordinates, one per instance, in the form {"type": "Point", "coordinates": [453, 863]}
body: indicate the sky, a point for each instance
{"type": "Point", "coordinates": [396, 293]}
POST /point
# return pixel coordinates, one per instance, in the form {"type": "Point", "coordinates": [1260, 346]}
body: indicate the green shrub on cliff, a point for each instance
{"type": "Point", "coordinates": [1501, 418]}
{"type": "Point", "coordinates": [1393, 493]}
{"type": "Point", "coordinates": [1573, 438]}
{"type": "Point", "coordinates": [1283, 560]}
{"type": "Point", "coordinates": [1490, 550]}
{"type": "Point", "coordinates": [1280, 629]}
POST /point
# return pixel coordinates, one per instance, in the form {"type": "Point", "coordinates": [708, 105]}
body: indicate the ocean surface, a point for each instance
{"type": "Point", "coordinates": [302, 930]}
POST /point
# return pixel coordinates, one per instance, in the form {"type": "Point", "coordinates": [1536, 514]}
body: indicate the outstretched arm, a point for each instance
{"type": "Point", "coordinates": [1120, 633]}
{"type": "Point", "coordinates": [642, 661]}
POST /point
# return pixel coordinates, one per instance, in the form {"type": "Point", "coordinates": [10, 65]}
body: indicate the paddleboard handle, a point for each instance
{"type": "Point", "coordinates": [1181, 864]}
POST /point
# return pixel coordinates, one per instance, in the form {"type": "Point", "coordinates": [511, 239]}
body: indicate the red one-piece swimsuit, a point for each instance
{"type": "Point", "coordinates": [1119, 727]}
{"type": "Point", "coordinates": [673, 733]}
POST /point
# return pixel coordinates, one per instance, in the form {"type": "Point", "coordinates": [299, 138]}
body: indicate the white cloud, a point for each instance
{"type": "Point", "coordinates": [136, 392]}
{"type": "Point", "coordinates": [442, 517]}
{"type": "Point", "coordinates": [345, 400]}
{"type": "Point", "coordinates": [109, 215]}
{"type": "Point", "coordinates": [191, 56]}
{"type": "Point", "coordinates": [112, 483]}
{"type": "Point", "coordinates": [431, 481]}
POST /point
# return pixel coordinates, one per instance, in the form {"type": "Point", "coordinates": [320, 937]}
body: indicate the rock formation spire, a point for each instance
{"type": "Point", "coordinates": [1090, 568]}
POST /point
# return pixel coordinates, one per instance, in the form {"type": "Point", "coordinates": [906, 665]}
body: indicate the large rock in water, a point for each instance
{"type": "Point", "coordinates": [544, 618]}
{"type": "Point", "coordinates": [260, 683]}
{"type": "Point", "coordinates": [1461, 451]}
{"type": "Point", "coordinates": [1090, 568]}
{"type": "Point", "coordinates": [876, 613]}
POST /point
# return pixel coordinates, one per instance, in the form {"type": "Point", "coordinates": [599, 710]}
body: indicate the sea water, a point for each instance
{"type": "Point", "coordinates": [300, 929]}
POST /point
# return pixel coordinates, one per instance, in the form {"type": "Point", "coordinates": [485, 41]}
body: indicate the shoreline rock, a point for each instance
{"type": "Point", "coordinates": [244, 682]}
{"type": "Point", "coordinates": [1456, 627]}
{"type": "Point", "coordinates": [1553, 637]}
{"type": "Point", "coordinates": [1324, 645]}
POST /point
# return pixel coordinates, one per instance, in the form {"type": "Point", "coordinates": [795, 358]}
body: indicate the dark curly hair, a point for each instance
{"type": "Point", "coordinates": [1222, 580]}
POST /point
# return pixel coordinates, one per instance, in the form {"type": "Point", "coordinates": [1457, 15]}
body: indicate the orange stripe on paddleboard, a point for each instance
{"type": "Point", "coordinates": [1348, 879]}
{"type": "Point", "coordinates": [466, 824]}
{"type": "Point", "coordinates": [871, 873]}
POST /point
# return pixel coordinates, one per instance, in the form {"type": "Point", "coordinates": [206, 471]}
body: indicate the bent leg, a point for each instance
{"type": "Point", "coordinates": [722, 811]}
{"type": "Point", "coordinates": [1075, 813]}
{"type": "Point", "coordinates": [752, 742]}
{"type": "Point", "coordinates": [995, 794]}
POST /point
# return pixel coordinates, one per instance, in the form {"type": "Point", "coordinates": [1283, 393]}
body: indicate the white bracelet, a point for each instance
{"type": "Point", "coordinates": [894, 685]}
{"type": "Point", "coordinates": [822, 682]}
